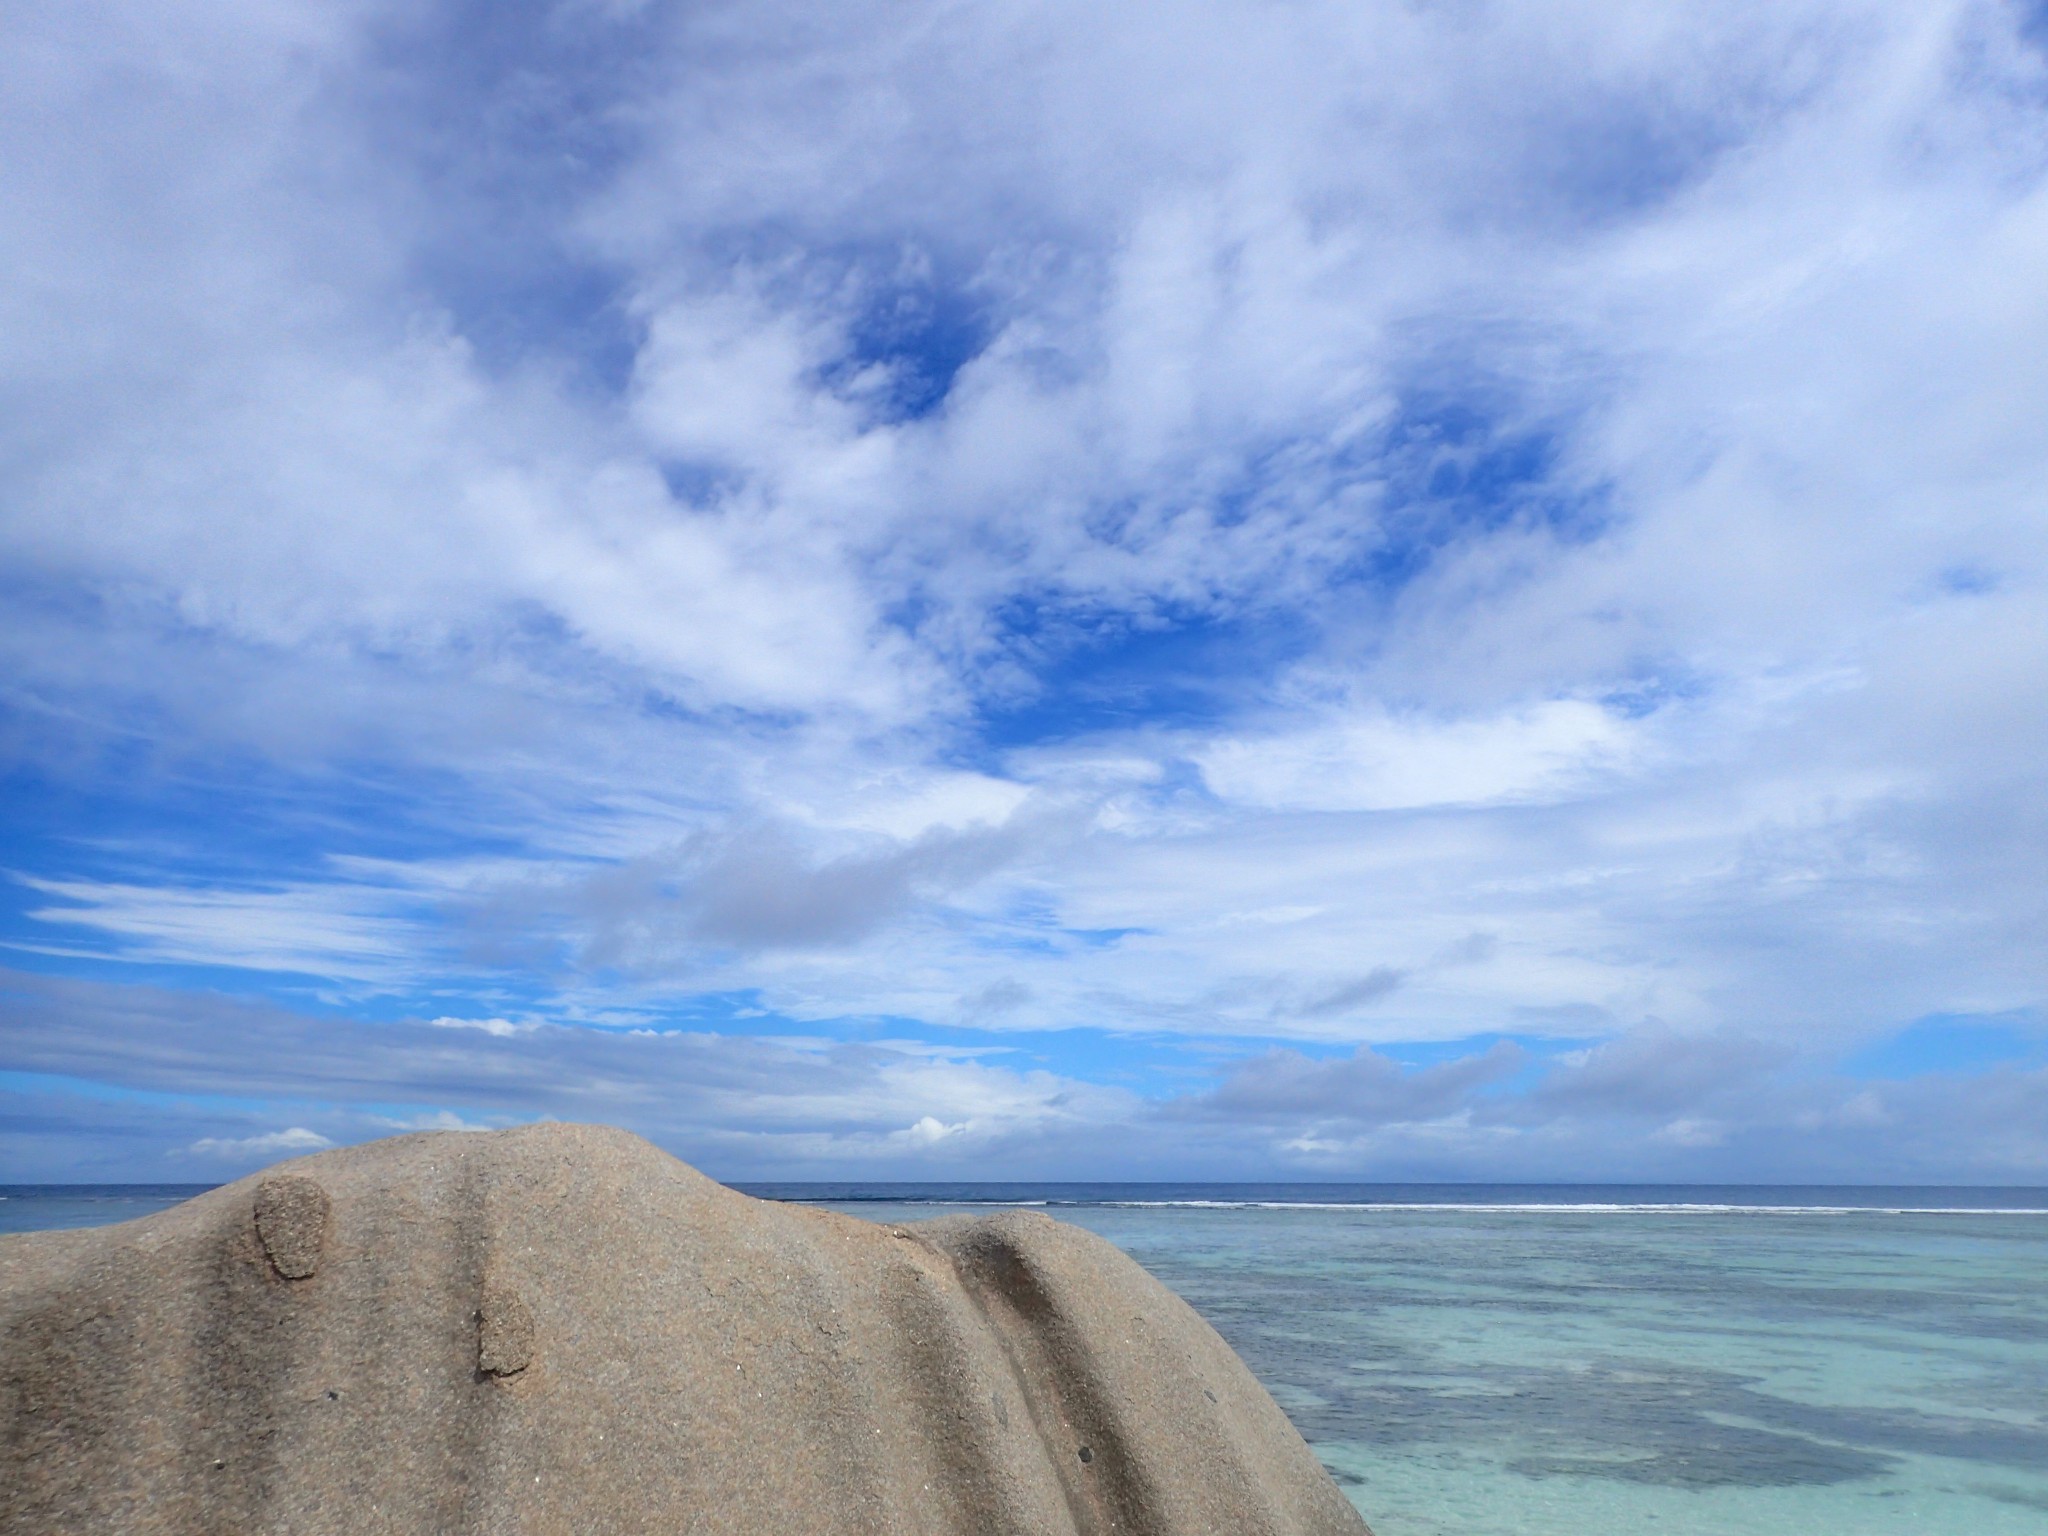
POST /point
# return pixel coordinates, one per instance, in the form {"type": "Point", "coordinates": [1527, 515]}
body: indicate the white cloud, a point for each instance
{"type": "Point", "coordinates": [437, 1120]}
{"type": "Point", "coordinates": [331, 930]}
{"type": "Point", "coordinates": [1602, 447]}
{"type": "Point", "coordinates": [269, 1144]}
{"type": "Point", "coordinates": [502, 1028]}
{"type": "Point", "coordinates": [1659, 1102]}
{"type": "Point", "coordinates": [1384, 762]}
{"type": "Point", "coordinates": [929, 1131]}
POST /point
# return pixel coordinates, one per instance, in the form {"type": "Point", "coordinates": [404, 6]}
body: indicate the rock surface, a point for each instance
{"type": "Point", "coordinates": [563, 1329]}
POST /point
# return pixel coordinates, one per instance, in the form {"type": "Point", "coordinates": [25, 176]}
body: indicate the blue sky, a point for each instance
{"type": "Point", "coordinates": [1216, 590]}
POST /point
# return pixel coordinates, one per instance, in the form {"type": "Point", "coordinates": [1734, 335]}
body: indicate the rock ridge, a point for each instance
{"type": "Point", "coordinates": [563, 1329]}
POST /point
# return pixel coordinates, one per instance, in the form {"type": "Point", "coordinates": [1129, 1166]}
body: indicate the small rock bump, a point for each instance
{"type": "Point", "coordinates": [291, 1219]}
{"type": "Point", "coordinates": [504, 1335]}
{"type": "Point", "coordinates": [1086, 1455]}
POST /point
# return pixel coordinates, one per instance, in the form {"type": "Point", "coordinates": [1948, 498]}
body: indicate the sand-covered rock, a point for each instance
{"type": "Point", "coordinates": [563, 1329]}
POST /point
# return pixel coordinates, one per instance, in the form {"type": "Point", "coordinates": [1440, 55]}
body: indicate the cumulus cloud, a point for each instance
{"type": "Point", "coordinates": [1194, 346]}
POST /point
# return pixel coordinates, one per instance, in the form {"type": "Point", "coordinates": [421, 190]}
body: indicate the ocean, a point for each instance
{"type": "Point", "coordinates": [1552, 1361]}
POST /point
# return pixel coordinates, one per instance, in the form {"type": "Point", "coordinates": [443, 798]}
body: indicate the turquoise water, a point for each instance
{"type": "Point", "coordinates": [1550, 1372]}
{"type": "Point", "coordinates": [1584, 1364]}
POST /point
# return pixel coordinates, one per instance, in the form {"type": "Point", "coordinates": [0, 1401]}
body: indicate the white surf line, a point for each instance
{"type": "Point", "coordinates": [1590, 1208]}
{"type": "Point", "coordinates": [1585, 1209]}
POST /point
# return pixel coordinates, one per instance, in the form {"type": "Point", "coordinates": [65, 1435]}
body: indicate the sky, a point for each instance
{"type": "Point", "coordinates": [1236, 589]}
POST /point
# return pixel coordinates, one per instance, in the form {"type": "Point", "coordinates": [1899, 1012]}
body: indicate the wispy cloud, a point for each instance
{"type": "Point", "coordinates": [502, 1028]}
{"type": "Point", "coordinates": [106, 1077]}
{"type": "Point", "coordinates": [258, 1148]}
{"type": "Point", "coordinates": [326, 929]}
{"type": "Point", "coordinates": [1554, 750]}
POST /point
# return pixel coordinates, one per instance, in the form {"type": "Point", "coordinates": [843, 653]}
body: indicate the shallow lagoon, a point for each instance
{"type": "Point", "coordinates": [1550, 1372]}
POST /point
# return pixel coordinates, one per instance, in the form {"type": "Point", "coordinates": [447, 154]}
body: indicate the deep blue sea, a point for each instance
{"type": "Point", "coordinates": [1559, 1360]}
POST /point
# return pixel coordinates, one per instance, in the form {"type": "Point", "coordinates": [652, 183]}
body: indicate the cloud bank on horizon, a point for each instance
{"type": "Point", "coordinates": [1214, 590]}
